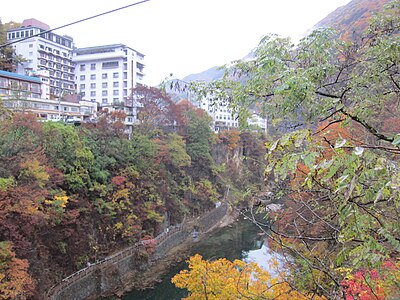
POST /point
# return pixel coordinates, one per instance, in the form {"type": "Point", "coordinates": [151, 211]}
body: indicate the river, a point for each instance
{"type": "Point", "coordinates": [241, 240]}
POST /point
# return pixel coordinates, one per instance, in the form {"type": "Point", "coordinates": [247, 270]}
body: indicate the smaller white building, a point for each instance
{"type": "Point", "coordinates": [224, 118]}
{"type": "Point", "coordinates": [107, 74]}
{"type": "Point", "coordinates": [23, 93]}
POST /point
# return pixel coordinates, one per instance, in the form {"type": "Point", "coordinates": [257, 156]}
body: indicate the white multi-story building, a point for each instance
{"type": "Point", "coordinates": [107, 75]}
{"type": "Point", "coordinates": [224, 118]}
{"type": "Point", "coordinates": [47, 52]}
{"type": "Point", "coordinates": [222, 115]}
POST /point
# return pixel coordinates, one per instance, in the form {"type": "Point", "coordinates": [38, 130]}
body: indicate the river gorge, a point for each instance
{"type": "Point", "coordinates": [240, 240]}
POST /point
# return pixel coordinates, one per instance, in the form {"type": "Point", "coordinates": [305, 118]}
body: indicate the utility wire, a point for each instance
{"type": "Point", "coordinates": [73, 23]}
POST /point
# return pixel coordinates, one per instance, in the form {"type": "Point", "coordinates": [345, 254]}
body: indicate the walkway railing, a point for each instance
{"type": "Point", "coordinates": [117, 257]}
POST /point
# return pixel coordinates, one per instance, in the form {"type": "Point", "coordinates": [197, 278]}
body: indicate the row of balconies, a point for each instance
{"type": "Point", "coordinates": [54, 54]}
{"type": "Point", "coordinates": [56, 66]}
{"type": "Point", "coordinates": [35, 88]}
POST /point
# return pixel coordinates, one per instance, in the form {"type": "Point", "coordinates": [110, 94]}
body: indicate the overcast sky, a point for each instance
{"type": "Point", "coordinates": [177, 36]}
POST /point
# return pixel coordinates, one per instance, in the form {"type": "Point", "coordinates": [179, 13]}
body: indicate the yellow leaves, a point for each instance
{"type": "Point", "coordinates": [223, 279]}
{"type": "Point", "coordinates": [32, 169]}
{"type": "Point", "coordinates": [58, 201]}
{"type": "Point", "coordinates": [6, 183]}
{"type": "Point", "coordinates": [119, 195]}
{"type": "Point", "coordinates": [118, 226]}
{"type": "Point", "coordinates": [151, 213]}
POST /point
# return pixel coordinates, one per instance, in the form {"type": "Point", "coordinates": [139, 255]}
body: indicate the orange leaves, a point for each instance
{"type": "Point", "coordinates": [223, 279]}
{"type": "Point", "coordinates": [15, 282]}
{"type": "Point", "coordinates": [231, 138]}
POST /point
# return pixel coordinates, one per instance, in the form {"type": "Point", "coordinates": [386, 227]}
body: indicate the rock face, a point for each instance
{"type": "Point", "coordinates": [352, 19]}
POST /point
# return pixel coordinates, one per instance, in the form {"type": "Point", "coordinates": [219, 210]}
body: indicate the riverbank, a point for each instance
{"type": "Point", "coordinates": [158, 268]}
{"type": "Point", "coordinates": [241, 240]}
{"type": "Point", "coordinates": [119, 272]}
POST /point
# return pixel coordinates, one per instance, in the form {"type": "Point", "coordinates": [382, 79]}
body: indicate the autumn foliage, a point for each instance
{"type": "Point", "coordinates": [223, 279]}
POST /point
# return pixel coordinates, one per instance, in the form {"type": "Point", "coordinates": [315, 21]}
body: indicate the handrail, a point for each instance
{"type": "Point", "coordinates": [114, 258]}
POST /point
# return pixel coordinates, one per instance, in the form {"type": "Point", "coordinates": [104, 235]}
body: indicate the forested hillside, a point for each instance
{"type": "Point", "coordinates": [351, 20]}
{"type": "Point", "coordinates": [337, 170]}
{"type": "Point", "coordinates": [71, 195]}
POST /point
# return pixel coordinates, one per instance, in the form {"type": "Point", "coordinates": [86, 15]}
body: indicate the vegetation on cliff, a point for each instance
{"type": "Point", "coordinates": [336, 166]}
{"type": "Point", "coordinates": [71, 195]}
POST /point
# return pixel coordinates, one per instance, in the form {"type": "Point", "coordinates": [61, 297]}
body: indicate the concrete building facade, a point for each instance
{"type": "Point", "coordinates": [48, 52]}
{"type": "Point", "coordinates": [224, 118]}
{"type": "Point", "coordinates": [107, 74]}
{"type": "Point", "coordinates": [23, 93]}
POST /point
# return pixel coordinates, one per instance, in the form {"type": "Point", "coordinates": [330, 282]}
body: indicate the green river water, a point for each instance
{"type": "Point", "coordinates": [241, 240]}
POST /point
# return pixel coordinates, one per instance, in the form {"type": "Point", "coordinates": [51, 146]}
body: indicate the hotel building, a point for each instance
{"type": "Point", "coordinates": [107, 75]}
{"type": "Point", "coordinates": [47, 52]}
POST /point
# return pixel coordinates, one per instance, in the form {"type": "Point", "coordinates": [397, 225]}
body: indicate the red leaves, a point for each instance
{"type": "Point", "coordinates": [372, 284]}
{"type": "Point", "coordinates": [118, 180]}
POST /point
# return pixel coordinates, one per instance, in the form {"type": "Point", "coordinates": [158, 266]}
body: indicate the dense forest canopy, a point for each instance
{"type": "Point", "coordinates": [70, 195]}
{"type": "Point", "coordinates": [334, 162]}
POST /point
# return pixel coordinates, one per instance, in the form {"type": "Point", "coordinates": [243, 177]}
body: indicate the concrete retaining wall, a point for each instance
{"type": "Point", "coordinates": [107, 275]}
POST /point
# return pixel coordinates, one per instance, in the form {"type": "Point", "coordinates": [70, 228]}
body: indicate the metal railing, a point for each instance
{"type": "Point", "coordinates": [117, 257]}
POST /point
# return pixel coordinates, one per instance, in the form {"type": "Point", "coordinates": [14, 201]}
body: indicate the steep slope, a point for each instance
{"type": "Point", "coordinates": [208, 75]}
{"type": "Point", "coordinates": [349, 20]}
{"type": "Point", "coordinates": [352, 19]}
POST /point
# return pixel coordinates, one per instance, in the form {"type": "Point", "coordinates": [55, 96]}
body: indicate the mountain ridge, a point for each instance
{"type": "Point", "coordinates": [349, 21]}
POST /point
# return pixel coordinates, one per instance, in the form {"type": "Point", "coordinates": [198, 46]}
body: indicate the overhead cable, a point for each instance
{"type": "Point", "coordinates": [73, 23]}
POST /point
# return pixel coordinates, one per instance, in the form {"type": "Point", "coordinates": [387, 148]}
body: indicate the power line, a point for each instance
{"type": "Point", "coordinates": [73, 23]}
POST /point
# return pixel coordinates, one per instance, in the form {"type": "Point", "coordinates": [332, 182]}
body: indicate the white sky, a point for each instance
{"type": "Point", "coordinates": [177, 36]}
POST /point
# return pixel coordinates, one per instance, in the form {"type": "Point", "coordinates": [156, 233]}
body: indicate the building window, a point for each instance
{"type": "Point", "coordinates": [14, 84]}
{"type": "Point", "coordinates": [104, 76]}
{"type": "Point", "coordinates": [93, 94]}
{"type": "Point", "coordinates": [92, 85]}
{"type": "Point", "coordinates": [92, 66]}
{"type": "Point", "coordinates": [30, 45]}
{"type": "Point", "coordinates": [115, 84]}
{"type": "Point", "coordinates": [115, 92]}
{"type": "Point", "coordinates": [92, 76]}
{"type": "Point", "coordinates": [115, 75]}
{"type": "Point", "coordinates": [110, 65]}
{"type": "Point", "coordinates": [82, 87]}
{"type": "Point", "coordinates": [104, 85]}
{"type": "Point", "coordinates": [24, 86]}
{"type": "Point", "coordinates": [82, 67]}
{"type": "Point", "coordinates": [104, 93]}
{"type": "Point", "coordinates": [83, 94]}
{"type": "Point", "coordinates": [104, 100]}
{"type": "Point", "coordinates": [82, 77]}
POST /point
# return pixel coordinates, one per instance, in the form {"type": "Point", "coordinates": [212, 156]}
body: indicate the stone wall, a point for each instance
{"type": "Point", "coordinates": [107, 275]}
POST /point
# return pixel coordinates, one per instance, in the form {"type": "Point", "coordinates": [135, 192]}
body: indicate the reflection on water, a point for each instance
{"type": "Point", "coordinates": [242, 240]}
